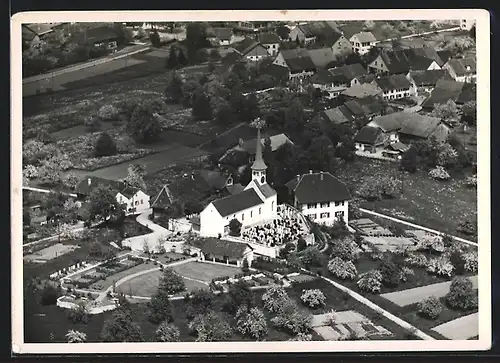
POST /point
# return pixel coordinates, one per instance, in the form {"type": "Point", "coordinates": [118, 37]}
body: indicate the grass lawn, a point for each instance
{"type": "Point", "coordinates": [431, 203]}
{"type": "Point", "coordinates": [108, 281]}
{"type": "Point", "coordinates": [205, 271]}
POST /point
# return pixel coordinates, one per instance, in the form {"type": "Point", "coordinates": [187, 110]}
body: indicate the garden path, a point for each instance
{"type": "Point", "coordinates": [462, 328]}
{"type": "Point", "coordinates": [367, 211]}
{"type": "Point", "coordinates": [137, 243]}
{"type": "Point", "coordinates": [417, 294]}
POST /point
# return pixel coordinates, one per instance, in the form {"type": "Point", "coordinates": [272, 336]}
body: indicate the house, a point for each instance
{"type": "Point", "coordinates": [426, 80]}
{"type": "Point", "coordinates": [395, 86]}
{"type": "Point", "coordinates": [369, 139]}
{"type": "Point", "coordinates": [462, 69]}
{"type": "Point", "coordinates": [445, 90]}
{"type": "Point", "coordinates": [362, 91]}
{"type": "Point", "coordinates": [444, 55]}
{"type": "Point", "coordinates": [256, 203]}
{"type": "Point", "coordinates": [321, 57]}
{"type": "Point", "coordinates": [339, 44]}
{"type": "Point", "coordinates": [162, 201]}
{"type": "Point", "coordinates": [271, 42]}
{"type": "Point", "coordinates": [133, 199]}
{"type": "Point", "coordinates": [321, 197]}
{"type": "Point", "coordinates": [325, 81]}
{"type": "Point", "coordinates": [467, 24]}
{"type": "Point", "coordinates": [102, 36]}
{"type": "Point", "coordinates": [336, 115]}
{"type": "Point", "coordinates": [252, 26]}
{"type": "Point", "coordinates": [303, 34]}
{"type": "Point", "coordinates": [365, 108]}
{"type": "Point", "coordinates": [362, 42]}
{"type": "Point", "coordinates": [250, 50]}
{"type": "Point", "coordinates": [310, 32]}
{"type": "Point", "coordinates": [298, 62]}
{"type": "Point", "coordinates": [220, 36]}
{"type": "Point", "coordinates": [348, 75]}
{"type": "Point", "coordinates": [31, 34]}
{"type": "Point", "coordinates": [226, 252]}
{"type": "Point", "coordinates": [421, 127]}
{"type": "Point", "coordinates": [277, 141]}
{"type": "Point", "coordinates": [405, 60]}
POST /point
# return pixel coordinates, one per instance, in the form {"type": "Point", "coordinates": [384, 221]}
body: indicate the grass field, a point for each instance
{"type": "Point", "coordinates": [50, 252]}
{"type": "Point", "coordinates": [108, 281]}
{"type": "Point", "coordinates": [205, 271]}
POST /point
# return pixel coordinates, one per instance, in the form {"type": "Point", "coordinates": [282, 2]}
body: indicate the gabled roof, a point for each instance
{"type": "Point", "coordinates": [350, 28]}
{"type": "Point", "coordinates": [402, 61]}
{"type": "Point", "coordinates": [370, 135]}
{"type": "Point", "coordinates": [277, 141]}
{"type": "Point", "coordinates": [429, 78]}
{"type": "Point", "coordinates": [98, 34]}
{"type": "Point", "coordinates": [235, 157]}
{"type": "Point", "coordinates": [323, 76]}
{"type": "Point", "coordinates": [223, 248]}
{"type": "Point", "coordinates": [215, 179]}
{"type": "Point", "coordinates": [365, 106]}
{"type": "Point", "coordinates": [302, 64]}
{"type": "Point", "coordinates": [337, 115]}
{"type": "Point", "coordinates": [41, 29]}
{"type": "Point", "coordinates": [235, 188]}
{"type": "Point", "coordinates": [393, 82]}
{"type": "Point", "coordinates": [444, 55]}
{"type": "Point", "coordinates": [276, 71]}
{"type": "Point", "coordinates": [90, 183]}
{"type": "Point", "coordinates": [422, 128]}
{"type": "Point", "coordinates": [266, 190]}
{"type": "Point", "coordinates": [445, 90]}
{"type": "Point", "coordinates": [321, 56]}
{"type": "Point", "coordinates": [236, 203]}
{"type": "Point", "coordinates": [129, 191]}
{"type": "Point", "coordinates": [318, 187]}
{"type": "Point", "coordinates": [463, 67]}
{"type": "Point", "coordinates": [220, 33]}
{"type": "Point", "coordinates": [269, 38]}
{"type": "Point", "coordinates": [348, 72]}
{"type": "Point", "coordinates": [362, 90]}
{"type": "Point", "coordinates": [364, 37]}
{"type": "Point", "coordinates": [244, 46]}
{"type": "Point", "coordinates": [317, 28]}
{"type": "Point", "coordinates": [163, 199]}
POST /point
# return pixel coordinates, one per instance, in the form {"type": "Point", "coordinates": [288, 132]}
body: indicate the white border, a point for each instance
{"type": "Point", "coordinates": [483, 129]}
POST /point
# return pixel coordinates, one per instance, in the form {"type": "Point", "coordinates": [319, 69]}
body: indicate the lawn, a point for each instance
{"type": "Point", "coordinates": [425, 201]}
{"type": "Point", "coordinates": [108, 281]}
{"type": "Point", "coordinates": [205, 271]}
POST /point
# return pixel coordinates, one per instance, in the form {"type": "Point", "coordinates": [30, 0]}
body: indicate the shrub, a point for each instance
{"type": "Point", "coordinates": [79, 314]}
{"type": "Point", "coordinates": [49, 295]}
{"type": "Point", "coordinates": [105, 145]}
{"type": "Point", "coordinates": [406, 272]}
{"type": "Point", "coordinates": [430, 308]}
{"type": "Point", "coordinates": [210, 327]}
{"type": "Point", "coordinates": [346, 249]}
{"type": "Point", "coordinates": [440, 266]}
{"type": "Point", "coordinates": [391, 273]}
{"type": "Point", "coordinates": [171, 283]}
{"type": "Point", "coordinates": [311, 256]}
{"type": "Point", "coordinates": [251, 323]}
{"type": "Point", "coordinates": [417, 260]}
{"type": "Point", "coordinates": [471, 181]}
{"type": "Point", "coordinates": [275, 298]}
{"type": "Point", "coordinates": [292, 320]}
{"type": "Point", "coordinates": [341, 269]}
{"type": "Point", "coordinates": [431, 243]}
{"type": "Point", "coordinates": [439, 173]}
{"type": "Point", "coordinates": [234, 227]}
{"type": "Point", "coordinates": [108, 113]}
{"type": "Point", "coordinates": [167, 332]}
{"type": "Point", "coordinates": [462, 295]}
{"type": "Point", "coordinates": [313, 298]}
{"type": "Point", "coordinates": [470, 262]}
{"type": "Point", "coordinates": [376, 188]}
{"type": "Point", "coordinates": [370, 281]}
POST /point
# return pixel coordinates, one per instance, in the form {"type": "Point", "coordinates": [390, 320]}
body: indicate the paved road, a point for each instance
{"type": "Point", "coordinates": [417, 294]}
{"type": "Point", "coordinates": [420, 34]}
{"type": "Point", "coordinates": [367, 211]}
{"type": "Point", "coordinates": [137, 243]}
{"type": "Point", "coordinates": [460, 329]}
{"type": "Point", "coordinates": [46, 191]}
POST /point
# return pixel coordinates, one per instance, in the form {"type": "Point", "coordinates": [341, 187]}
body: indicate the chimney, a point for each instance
{"type": "Point", "coordinates": [89, 181]}
{"type": "Point", "coordinates": [321, 174]}
{"type": "Point", "coordinates": [310, 171]}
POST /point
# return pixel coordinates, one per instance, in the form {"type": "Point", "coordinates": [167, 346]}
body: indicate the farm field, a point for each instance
{"type": "Point", "coordinates": [50, 253]}
{"type": "Point", "coordinates": [205, 271]}
{"type": "Point", "coordinates": [431, 203]}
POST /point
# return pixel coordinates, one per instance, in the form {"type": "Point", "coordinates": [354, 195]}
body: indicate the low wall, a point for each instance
{"type": "Point", "coordinates": [92, 311]}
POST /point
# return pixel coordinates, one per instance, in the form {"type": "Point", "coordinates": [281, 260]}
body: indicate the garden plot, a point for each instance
{"type": "Point", "coordinates": [369, 228]}
{"type": "Point", "coordinates": [50, 253]}
{"type": "Point", "coordinates": [390, 243]}
{"type": "Point", "coordinates": [417, 294]}
{"type": "Point", "coordinates": [203, 271]}
{"type": "Point", "coordinates": [463, 328]}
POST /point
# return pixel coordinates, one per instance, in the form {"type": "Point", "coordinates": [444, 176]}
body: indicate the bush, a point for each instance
{"type": "Point", "coordinates": [49, 295]}
{"type": "Point", "coordinates": [439, 173]}
{"type": "Point", "coordinates": [440, 266]}
{"type": "Point", "coordinates": [344, 270]}
{"type": "Point", "coordinates": [391, 274]}
{"type": "Point", "coordinates": [79, 315]}
{"type": "Point", "coordinates": [275, 298]}
{"type": "Point", "coordinates": [105, 145]}
{"type": "Point", "coordinates": [471, 181]}
{"type": "Point", "coordinates": [462, 296]}
{"type": "Point", "coordinates": [313, 298]}
{"type": "Point", "coordinates": [406, 272]}
{"type": "Point", "coordinates": [377, 188]}
{"type": "Point", "coordinates": [346, 249]}
{"type": "Point", "coordinates": [234, 227]}
{"type": "Point", "coordinates": [167, 332]}
{"type": "Point", "coordinates": [430, 308]}
{"type": "Point", "coordinates": [292, 320]}
{"type": "Point", "coordinates": [251, 323]}
{"type": "Point", "coordinates": [108, 113]}
{"type": "Point", "coordinates": [470, 262]}
{"type": "Point", "coordinates": [370, 281]}
{"type": "Point", "coordinates": [210, 327]}
{"type": "Point", "coordinates": [311, 256]}
{"type": "Point", "coordinates": [417, 260]}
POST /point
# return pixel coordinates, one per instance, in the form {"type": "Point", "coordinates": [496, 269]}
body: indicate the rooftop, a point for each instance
{"type": "Point", "coordinates": [238, 202]}
{"type": "Point", "coordinates": [318, 187]}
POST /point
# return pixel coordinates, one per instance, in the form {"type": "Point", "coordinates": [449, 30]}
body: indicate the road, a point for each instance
{"type": "Point", "coordinates": [47, 191]}
{"type": "Point", "coordinates": [463, 328]}
{"type": "Point", "coordinates": [433, 231]}
{"type": "Point", "coordinates": [421, 34]}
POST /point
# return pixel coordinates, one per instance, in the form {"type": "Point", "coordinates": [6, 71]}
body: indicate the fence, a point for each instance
{"type": "Point", "coordinates": [92, 311]}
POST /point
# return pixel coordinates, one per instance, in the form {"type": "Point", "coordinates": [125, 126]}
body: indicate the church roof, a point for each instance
{"type": "Point", "coordinates": [266, 190]}
{"type": "Point", "coordinates": [238, 202]}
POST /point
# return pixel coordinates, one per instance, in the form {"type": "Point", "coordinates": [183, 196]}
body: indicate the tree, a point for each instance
{"type": "Point", "coordinates": [320, 155]}
{"type": "Point", "coordinates": [154, 37]}
{"type": "Point", "coordinates": [135, 176]}
{"type": "Point", "coordinates": [301, 244]}
{"type": "Point", "coordinates": [214, 55]}
{"type": "Point", "coordinates": [181, 58]}
{"type": "Point", "coordinates": [53, 204]}
{"type": "Point", "coordinates": [311, 257]}
{"type": "Point", "coordinates": [391, 273]}
{"type": "Point", "coordinates": [275, 298]}
{"type": "Point", "coordinates": [241, 297]}
{"type": "Point", "coordinates": [370, 281]}
{"type": "Point", "coordinates": [144, 125]}
{"type": "Point", "coordinates": [120, 328]}
{"type": "Point", "coordinates": [210, 327]}
{"type": "Point", "coordinates": [75, 336]}
{"type": "Point", "coordinates": [160, 309]}
{"type": "Point", "coordinates": [472, 32]}
{"type": "Point", "coordinates": [79, 314]}
{"type": "Point", "coordinates": [283, 32]}
{"type": "Point", "coordinates": [108, 113]}
{"type": "Point", "coordinates": [171, 282]}
{"type": "Point", "coordinates": [345, 248]}
{"type": "Point", "coordinates": [167, 332]}
{"type": "Point", "coordinates": [430, 307]}
{"type": "Point", "coordinates": [172, 61]}
{"type": "Point", "coordinates": [202, 109]}
{"type": "Point", "coordinates": [290, 318]}
{"type": "Point", "coordinates": [105, 145]}
{"type": "Point", "coordinates": [447, 111]}
{"type": "Point", "coordinates": [103, 206]}
{"type": "Point", "coordinates": [196, 39]}
{"type": "Point", "coordinates": [49, 295]}
{"type": "Point", "coordinates": [344, 270]}
{"type": "Point", "coordinates": [173, 91]}
{"type": "Point", "coordinates": [71, 180]}
{"type": "Point", "coordinates": [200, 303]}
{"type": "Point", "coordinates": [469, 113]}
{"type": "Point", "coordinates": [462, 295]}
{"type": "Point", "coordinates": [251, 323]}
{"type": "Point", "coordinates": [409, 160]}
{"type": "Point", "coordinates": [234, 227]}
{"type": "Point", "coordinates": [295, 117]}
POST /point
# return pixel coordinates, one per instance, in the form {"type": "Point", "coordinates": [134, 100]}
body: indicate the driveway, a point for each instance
{"type": "Point", "coordinates": [462, 328]}
{"type": "Point", "coordinates": [417, 294]}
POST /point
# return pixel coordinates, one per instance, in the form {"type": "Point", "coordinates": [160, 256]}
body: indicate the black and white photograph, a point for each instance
{"type": "Point", "coordinates": [259, 181]}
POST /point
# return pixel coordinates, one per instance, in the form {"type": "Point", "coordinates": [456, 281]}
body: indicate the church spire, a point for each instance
{"type": "Point", "coordinates": [259, 166]}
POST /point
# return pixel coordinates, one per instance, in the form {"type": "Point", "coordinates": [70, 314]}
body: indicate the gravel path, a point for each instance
{"type": "Point", "coordinates": [460, 329]}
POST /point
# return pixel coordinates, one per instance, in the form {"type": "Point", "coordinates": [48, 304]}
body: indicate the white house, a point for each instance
{"type": "Point", "coordinates": [256, 203]}
{"type": "Point", "coordinates": [271, 42]}
{"type": "Point", "coordinates": [321, 197]}
{"type": "Point", "coordinates": [462, 69]}
{"type": "Point", "coordinates": [135, 200]}
{"type": "Point", "coordinates": [395, 86]}
{"type": "Point", "coordinates": [226, 252]}
{"type": "Point", "coordinates": [362, 42]}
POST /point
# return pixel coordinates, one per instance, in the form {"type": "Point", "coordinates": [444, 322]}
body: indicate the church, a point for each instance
{"type": "Point", "coordinates": [256, 203]}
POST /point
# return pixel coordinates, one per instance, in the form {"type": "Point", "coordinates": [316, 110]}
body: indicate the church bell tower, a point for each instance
{"type": "Point", "coordinates": [259, 167]}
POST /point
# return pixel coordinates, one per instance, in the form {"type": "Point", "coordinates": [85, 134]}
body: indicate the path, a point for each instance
{"type": "Point", "coordinates": [420, 34]}
{"type": "Point", "coordinates": [47, 191]}
{"type": "Point", "coordinates": [137, 243]}
{"type": "Point", "coordinates": [378, 309]}
{"type": "Point", "coordinates": [367, 211]}
{"type": "Point", "coordinates": [462, 328]}
{"type": "Point", "coordinates": [417, 294]}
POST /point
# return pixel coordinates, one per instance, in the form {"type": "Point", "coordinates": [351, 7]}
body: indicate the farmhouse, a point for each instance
{"type": "Point", "coordinates": [462, 69]}
{"type": "Point", "coordinates": [394, 86]}
{"type": "Point", "coordinates": [403, 61]}
{"type": "Point", "coordinates": [337, 115]}
{"type": "Point", "coordinates": [228, 252]}
{"type": "Point", "coordinates": [321, 57]}
{"type": "Point", "coordinates": [426, 80]}
{"type": "Point", "coordinates": [250, 50]}
{"type": "Point", "coordinates": [298, 62]}
{"type": "Point", "coordinates": [271, 42]}
{"type": "Point", "coordinates": [220, 36]}
{"type": "Point", "coordinates": [325, 81]}
{"type": "Point", "coordinates": [102, 36]}
{"type": "Point", "coordinates": [362, 42]}
{"type": "Point", "coordinates": [276, 142]}
{"type": "Point", "coordinates": [366, 107]}
{"type": "Point", "coordinates": [307, 33]}
{"type": "Point", "coordinates": [369, 138]}
{"type": "Point", "coordinates": [362, 91]}
{"type": "Point", "coordinates": [321, 197]}
{"type": "Point", "coordinates": [256, 203]}
{"type": "Point", "coordinates": [445, 90]}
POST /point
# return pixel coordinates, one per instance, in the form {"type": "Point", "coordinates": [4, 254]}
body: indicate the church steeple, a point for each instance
{"type": "Point", "coordinates": [259, 167]}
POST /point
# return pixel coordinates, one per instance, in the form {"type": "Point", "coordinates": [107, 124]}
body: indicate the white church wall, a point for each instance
{"type": "Point", "coordinates": [211, 222]}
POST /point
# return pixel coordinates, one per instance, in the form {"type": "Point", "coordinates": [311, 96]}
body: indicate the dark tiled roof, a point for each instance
{"type": "Point", "coordinates": [365, 106]}
{"type": "Point", "coordinates": [318, 187]}
{"type": "Point", "coordinates": [369, 135]}
{"type": "Point", "coordinates": [163, 199]}
{"type": "Point", "coordinates": [422, 128]}
{"type": "Point", "coordinates": [402, 61]}
{"type": "Point", "coordinates": [276, 71]}
{"type": "Point", "coordinates": [99, 34]}
{"type": "Point", "coordinates": [129, 191]}
{"type": "Point", "coordinates": [468, 93]}
{"type": "Point", "coordinates": [322, 77]}
{"type": "Point", "coordinates": [245, 45]}
{"type": "Point", "coordinates": [266, 190]}
{"type": "Point", "coordinates": [450, 90]}
{"type": "Point", "coordinates": [235, 188]}
{"type": "Point", "coordinates": [350, 28]}
{"type": "Point", "coordinates": [269, 38]}
{"type": "Point", "coordinates": [444, 55]}
{"type": "Point", "coordinates": [214, 179]}
{"type": "Point", "coordinates": [238, 202]}
{"type": "Point", "coordinates": [190, 187]}
{"type": "Point", "coordinates": [223, 248]}
{"type": "Point", "coordinates": [321, 56]}
{"type": "Point", "coordinates": [348, 72]}
{"type": "Point", "coordinates": [220, 33]}
{"type": "Point", "coordinates": [85, 188]}
{"type": "Point", "coordinates": [301, 64]}
{"type": "Point", "coordinates": [460, 65]}
{"type": "Point", "coordinates": [393, 82]}
{"type": "Point", "coordinates": [390, 122]}
{"type": "Point", "coordinates": [235, 157]}
{"type": "Point", "coordinates": [429, 78]}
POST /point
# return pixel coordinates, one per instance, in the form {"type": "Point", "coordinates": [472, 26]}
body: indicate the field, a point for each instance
{"type": "Point", "coordinates": [102, 285]}
{"type": "Point", "coordinates": [205, 271]}
{"type": "Point", "coordinates": [431, 203]}
{"type": "Point", "coordinates": [50, 253]}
